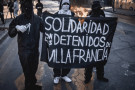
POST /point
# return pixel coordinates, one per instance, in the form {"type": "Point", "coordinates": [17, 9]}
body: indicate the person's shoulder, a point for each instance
{"type": "Point", "coordinates": [102, 13]}
{"type": "Point", "coordinates": [90, 13]}
{"type": "Point", "coordinates": [101, 10]}
{"type": "Point", "coordinates": [19, 18]}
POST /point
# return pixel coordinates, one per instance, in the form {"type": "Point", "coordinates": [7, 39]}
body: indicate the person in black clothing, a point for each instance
{"type": "Point", "coordinates": [1, 13]}
{"type": "Point", "coordinates": [39, 7]}
{"type": "Point", "coordinates": [65, 10]}
{"type": "Point", "coordinates": [113, 2]}
{"type": "Point", "coordinates": [96, 12]}
{"type": "Point", "coordinates": [28, 27]}
{"type": "Point", "coordinates": [11, 6]}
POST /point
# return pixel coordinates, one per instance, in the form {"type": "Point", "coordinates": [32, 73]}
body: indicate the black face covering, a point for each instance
{"type": "Point", "coordinates": [28, 9]}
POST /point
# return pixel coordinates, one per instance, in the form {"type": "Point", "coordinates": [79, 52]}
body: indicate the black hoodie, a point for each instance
{"type": "Point", "coordinates": [29, 40]}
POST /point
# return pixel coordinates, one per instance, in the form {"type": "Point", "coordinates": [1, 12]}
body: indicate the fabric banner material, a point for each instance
{"type": "Point", "coordinates": [72, 42]}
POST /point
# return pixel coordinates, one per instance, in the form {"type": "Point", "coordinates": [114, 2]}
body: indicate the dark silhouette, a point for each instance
{"type": "Point", "coordinates": [96, 12]}
{"type": "Point", "coordinates": [28, 27]}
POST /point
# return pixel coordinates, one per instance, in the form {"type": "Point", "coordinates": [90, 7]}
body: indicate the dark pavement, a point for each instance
{"type": "Point", "coordinates": [120, 68]}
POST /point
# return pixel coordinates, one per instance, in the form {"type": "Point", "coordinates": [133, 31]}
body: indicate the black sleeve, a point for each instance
{"type": "Point", "coordinates": [12, 30]}
{"type": "Point", "coordinates": [42, 29]}
{"type": "Point", "coordinates": [42, 5]}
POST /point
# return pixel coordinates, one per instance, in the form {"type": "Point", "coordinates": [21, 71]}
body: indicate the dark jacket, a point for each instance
{"type": "Point", "coordinates": [1, 7]}
{"type": "Point", "coordinates": [27, 41]}
{"type": "Point", "coordinates": [10, 5]}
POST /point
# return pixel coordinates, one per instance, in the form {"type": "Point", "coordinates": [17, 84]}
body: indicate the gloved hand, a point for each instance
{"type": "Point", "coordinates": [21, 28]}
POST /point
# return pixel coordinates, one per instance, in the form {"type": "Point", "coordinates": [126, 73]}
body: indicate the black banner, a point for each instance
{"type": "Point", "coordinates": [71, 42]}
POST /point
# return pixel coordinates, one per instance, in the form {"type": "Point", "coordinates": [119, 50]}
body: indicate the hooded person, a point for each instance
{"type": "Point", "coordinates": [96, 12]}
{"type": "Point", "coordinates": [39, 7]}
{"type": "Point", "coordinates": [28, 27]}
{"type": "Point", "coordinates": [62, 73]}
{"type": "Point", "coordinates": [64, 8]}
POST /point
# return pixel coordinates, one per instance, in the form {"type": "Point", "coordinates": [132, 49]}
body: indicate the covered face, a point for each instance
{"type": "Point", "coordinates": [27, 8]}
{"type": "Point", "coordinates": [65, 5]}
{"type": "Point", "coordinates": [96, 5]}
